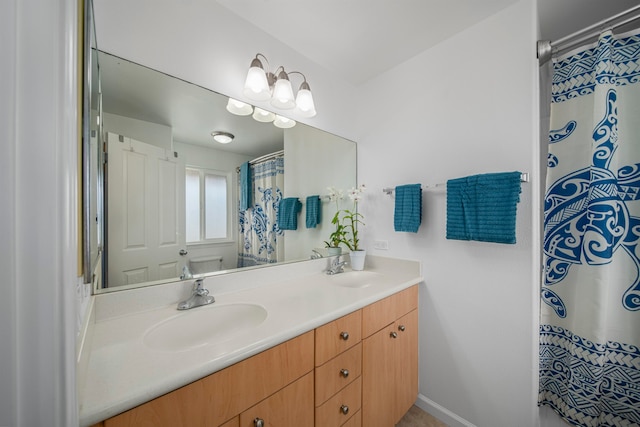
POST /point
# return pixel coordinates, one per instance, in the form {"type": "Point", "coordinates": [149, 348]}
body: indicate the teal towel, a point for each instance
{"type": "Point", "coordinates": [313, 211]}
{"type": "Point", "coordinates": [246, 187]}
{"type": "Point", "coordinates": [483, 207]}
{"type": "Point", "coordinates": [408, 209]}
{"type": "Point", "coordinates": [288, 213]}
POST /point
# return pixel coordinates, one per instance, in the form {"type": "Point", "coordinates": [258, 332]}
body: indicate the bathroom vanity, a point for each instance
{"type": "Point", "coordinates": [330, 351]}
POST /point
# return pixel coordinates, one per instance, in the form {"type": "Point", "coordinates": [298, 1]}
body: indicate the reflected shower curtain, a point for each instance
{"type": "Point", "coordinates": [590, 319]}
{"type": "Point", "coordinates": [260, 240]}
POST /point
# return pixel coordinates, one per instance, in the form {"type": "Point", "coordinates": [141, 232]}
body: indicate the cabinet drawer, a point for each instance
{"type": "Point", "coordinates": [341, 407]}
{"type": "Point", "coordinates": [337, 336]}
{"type": "Point", "coordinates": [290, 407]}
{"type": "Point", "coordinates": [337, 373]}
{"type": "Point", "coordinates": [384, 312]}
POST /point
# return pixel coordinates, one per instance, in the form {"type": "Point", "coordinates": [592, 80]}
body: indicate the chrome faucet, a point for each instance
{"type": "Point", "coordinates": [336, 266]}
{"type": "Point", "coordinates": [200, 296]}
{"type": "Point", "coordinates": [315, 254]}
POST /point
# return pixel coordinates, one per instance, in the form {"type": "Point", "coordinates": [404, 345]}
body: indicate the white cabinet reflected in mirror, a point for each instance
{"type": "Point", "coordinates": [164, 197]}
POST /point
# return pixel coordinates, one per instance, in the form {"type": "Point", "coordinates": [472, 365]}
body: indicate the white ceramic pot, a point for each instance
{"type": "Point", "coordinates": [357, 259]}
{"type": "Point", "coordinates": [334, 251]}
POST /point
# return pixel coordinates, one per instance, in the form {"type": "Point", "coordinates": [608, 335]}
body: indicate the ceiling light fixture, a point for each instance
{"type": "Point", "coordinates": [222, 137]}
{"type": "Point", "coordinates": [264, 85]}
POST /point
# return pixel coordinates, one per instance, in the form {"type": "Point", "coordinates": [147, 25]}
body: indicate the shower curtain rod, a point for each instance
{"type": "Point", "coordinates": [265, 157]}
{"type": "Point", "coordinates": [546, 49]}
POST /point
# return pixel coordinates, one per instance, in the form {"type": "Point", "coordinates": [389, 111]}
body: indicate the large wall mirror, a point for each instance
{"type": "Point", "coordinates": [165, 200]}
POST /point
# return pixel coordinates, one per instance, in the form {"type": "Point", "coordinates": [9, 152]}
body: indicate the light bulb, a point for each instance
{"type": "Point", "coordinates": [283, 93]}
{"type": "Point", "coordinates": [256, 86]}
{"type": "Point", "coordinates": [304, 101]}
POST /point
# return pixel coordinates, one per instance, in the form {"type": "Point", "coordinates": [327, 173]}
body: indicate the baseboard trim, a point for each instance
{"type": "Point", "coordinates": [441, 413]}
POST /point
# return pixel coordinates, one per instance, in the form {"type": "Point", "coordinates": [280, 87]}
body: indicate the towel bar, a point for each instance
{"type": "Point", "coordinates": [524, 177]}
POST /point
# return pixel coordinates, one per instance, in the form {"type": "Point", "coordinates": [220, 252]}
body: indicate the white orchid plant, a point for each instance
{"type": "Point", "coordinates": [346, 221]}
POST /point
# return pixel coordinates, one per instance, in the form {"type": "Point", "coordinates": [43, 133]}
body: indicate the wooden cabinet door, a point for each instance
{"type": "Point", "coordinates": [290, 407]}
{"type": "Point", "coordinates": [378, 378]}
{"type": "Point", "coordinates": [406, 363]}
{"type": "Point", "coordinates": [390, 359]}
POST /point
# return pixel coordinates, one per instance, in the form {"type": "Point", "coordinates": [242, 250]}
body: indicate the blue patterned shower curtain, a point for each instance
{"type": "Point", "coordinates": [260, 240]}
{"type": "Point", "coordinates": [590, 316]}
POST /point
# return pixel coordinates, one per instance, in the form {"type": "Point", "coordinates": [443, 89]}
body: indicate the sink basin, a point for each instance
{"type": "Point", "coordinates": [354, 279]}
{"type": "Point", "coordinates": [204, 325]}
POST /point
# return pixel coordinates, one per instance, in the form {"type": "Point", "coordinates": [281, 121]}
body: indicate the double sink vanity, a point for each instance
{"type": "Point", "coordinates": [283, 346]}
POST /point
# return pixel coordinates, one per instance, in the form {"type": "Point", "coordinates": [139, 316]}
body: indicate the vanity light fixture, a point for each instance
{"type": "Point", "coordinates": [261, 85]}
{"type": "Point", "coordinates": [239, 108]}
{"type": "Point", "coordinates": [263, 116]}
{"type": "Point", "coordinates": [222, 137]}
{"type": "Point", "coordinates": [283, 122]}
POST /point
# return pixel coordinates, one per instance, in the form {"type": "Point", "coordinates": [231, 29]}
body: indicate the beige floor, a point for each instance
{"type": "Point", "coordinates": [416, 417]}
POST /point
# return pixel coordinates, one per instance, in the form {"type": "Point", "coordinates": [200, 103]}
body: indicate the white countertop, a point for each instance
{"type": "Point", "coordinates": [122, 372]}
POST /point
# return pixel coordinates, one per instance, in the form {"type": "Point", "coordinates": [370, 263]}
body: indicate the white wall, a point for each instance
{"type": "Point", "coordinates": [466, 106]}
{"type": "Point", "coordinates": [313, 161]}
{"type": "Point", "coordinates": [148, 132]}
{"type": "Point", "coordinates": [38, 212]}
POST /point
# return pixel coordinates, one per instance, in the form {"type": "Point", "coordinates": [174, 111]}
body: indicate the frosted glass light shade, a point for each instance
{"type": "Point", "coordinates": [222, 137]}
{"type": "Point", "coordinates": [263, 116]}
{"type": "Point", "coordinates": [256, 86]}
{"type": "Point", "coordinates": [239, 108]}
{"type": "Point", "coordinates": [304, 103]}
{"type": "Point", "coordinates": [283, 94]}
{"type": "Point", "coordinates": [283, 122]}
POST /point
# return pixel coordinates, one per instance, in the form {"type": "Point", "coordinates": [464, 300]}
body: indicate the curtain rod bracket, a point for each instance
{"type": "Point", "coordinates": [543, 51]}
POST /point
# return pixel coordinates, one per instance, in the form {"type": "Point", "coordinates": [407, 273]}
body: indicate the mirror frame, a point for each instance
{"type": "Point", "coordinates": [91, 72]}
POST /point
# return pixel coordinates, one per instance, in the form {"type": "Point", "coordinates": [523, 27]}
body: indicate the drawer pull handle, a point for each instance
{"type": "Point", "coordinates": [344, 372]}
{"type": "Point", "coordinates": [344, 409]}
{"type": "Point", "coordinates": [401, 328]}
{"type": "Point", "coordinates": [258, 422]}
{"type": "Point", "coordinates": [393, 335]}
{"type": "Point", "coordinates": [344, 335]}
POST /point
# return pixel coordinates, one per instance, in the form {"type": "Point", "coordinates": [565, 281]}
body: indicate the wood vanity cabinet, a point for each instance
{"type": "Point", "coordinates": [358, 370]}
{"type": "Point", "coordinates": [389, 358]}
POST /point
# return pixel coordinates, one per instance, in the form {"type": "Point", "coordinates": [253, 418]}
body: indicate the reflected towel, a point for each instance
{"type": "Point", "coordinates": [246, 187]}
{"type": "Point", "coordinates": [313, 211]}
{"type": "Point", "coordinates": [483, 207]}
{"type": "Point", "coordinates": [288, 213]}
{"type": "Point", "coordinates": [408, 209]}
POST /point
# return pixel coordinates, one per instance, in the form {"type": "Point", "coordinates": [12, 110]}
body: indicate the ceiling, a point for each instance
{"type": "Point", "coordinates": [561, 18]}
{"type": "Point", "coordinates": [360, 39]}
